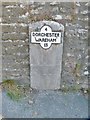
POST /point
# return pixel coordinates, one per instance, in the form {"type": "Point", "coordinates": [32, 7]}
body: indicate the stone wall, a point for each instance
{"type": "Point", "coordinates": [15, 39]}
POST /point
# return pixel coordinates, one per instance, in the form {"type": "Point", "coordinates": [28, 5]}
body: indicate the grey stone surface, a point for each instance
{"type": "Point", "coordinates": [46, 65]}
{"type": "Point", "coordinates": [46, 104]}
{"type": "Point", "coordinates": [15, 21]}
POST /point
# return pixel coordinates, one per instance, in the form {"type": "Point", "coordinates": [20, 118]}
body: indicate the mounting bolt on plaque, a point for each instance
{"type": "Point", "coordinates": [46, 49]}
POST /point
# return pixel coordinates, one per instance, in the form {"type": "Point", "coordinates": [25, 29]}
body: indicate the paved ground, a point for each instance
{"type": "Point", "coordinates": [47, 104]}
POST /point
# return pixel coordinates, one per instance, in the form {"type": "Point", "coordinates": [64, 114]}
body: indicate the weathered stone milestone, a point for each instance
{"type": "Point", "coordinates": [46, 48]}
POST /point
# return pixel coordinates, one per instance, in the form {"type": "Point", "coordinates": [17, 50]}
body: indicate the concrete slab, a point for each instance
{"type": "Point", "coordinates": [46, 104]}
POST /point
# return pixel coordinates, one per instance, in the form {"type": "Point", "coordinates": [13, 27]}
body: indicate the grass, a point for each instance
{"type": "Point", "coordinates": [13, 89]}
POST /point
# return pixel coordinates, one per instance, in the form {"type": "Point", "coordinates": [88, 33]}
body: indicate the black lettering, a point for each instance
{"type": "Point", "coordinates": [45, 44]}
{"type": "Point", "coordinates": [53, 40]}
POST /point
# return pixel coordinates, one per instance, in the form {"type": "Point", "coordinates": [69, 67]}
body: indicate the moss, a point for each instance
{"type": "Point", "coordinates": [74, 88]}
{"type": "Point", "coordinates": [65, 89]}
{"type": "Point", "coordinates": [14, 94]}
{"type": "Point", "coordinates": [88, 90]}
{"type": "Point", "coordinates": [73, 17]}
{"type": "Point", "coordinates": [9, 81]}
{"type": "Point", "coordinates": [76, 70]}
{"type": "Point", "coordinates": [85, 90]}
{"type": "Point", "coordinates": [73, 14]}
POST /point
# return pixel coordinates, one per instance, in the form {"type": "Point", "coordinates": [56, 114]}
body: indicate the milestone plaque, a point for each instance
{"type": "Point", "coordinates": [46, 37]}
